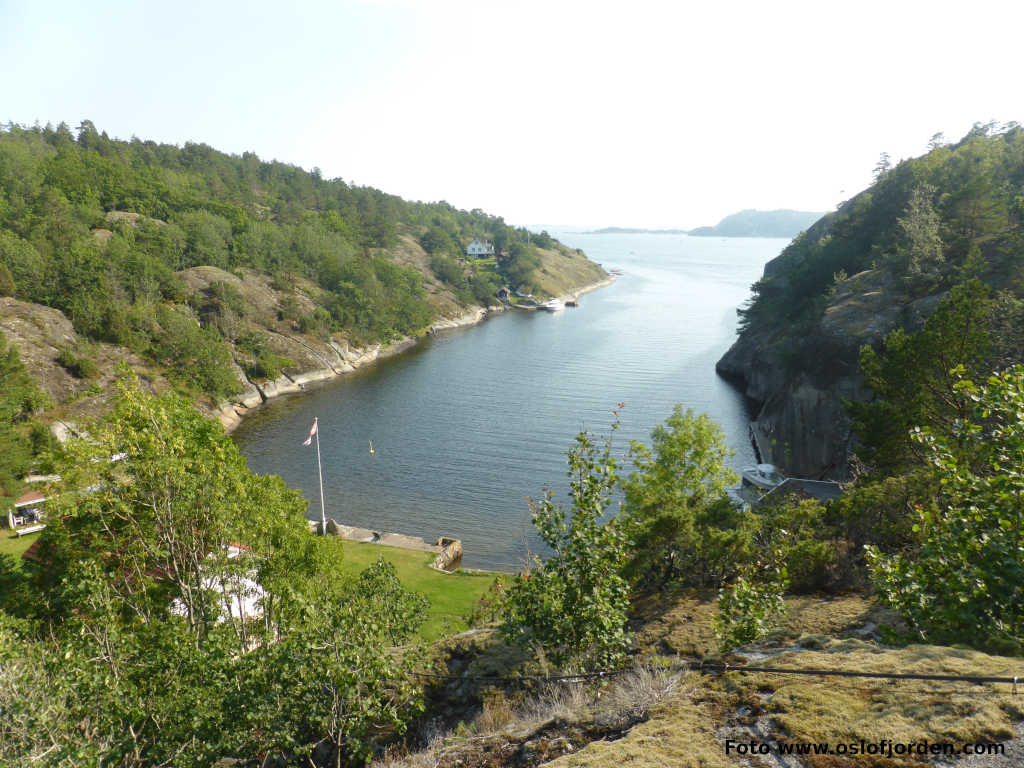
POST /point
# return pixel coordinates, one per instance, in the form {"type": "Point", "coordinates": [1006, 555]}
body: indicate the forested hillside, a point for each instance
{"type": "Point", "coordinates": [884, 262]}
{"type": "Point", "coordinates": [208, 271]}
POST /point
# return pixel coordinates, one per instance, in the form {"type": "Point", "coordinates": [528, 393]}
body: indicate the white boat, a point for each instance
{"type": "Point", "coordinates": [761, 476]}
{"type": "Point", "coordinates": [554, 305]}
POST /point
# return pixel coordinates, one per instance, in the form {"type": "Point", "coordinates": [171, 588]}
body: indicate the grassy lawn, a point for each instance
{"type": "Point", "coordinates": [452, 595]}
{"type": "Point", "coordinates": [12, 545]}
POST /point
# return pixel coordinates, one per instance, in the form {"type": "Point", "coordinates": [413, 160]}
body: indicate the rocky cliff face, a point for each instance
{"type": "Point", "coordinates": [799, 377]}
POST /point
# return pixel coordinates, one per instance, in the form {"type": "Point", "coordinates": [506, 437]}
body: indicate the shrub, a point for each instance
{"type": "Point", "coordinates": [751, 607]}
{"type": "Point", "coordinates": [79, 367]}
{"type": "Point", "coordinates": [574, 604]}
{"type": "Point", "coordinates": [966, 581]}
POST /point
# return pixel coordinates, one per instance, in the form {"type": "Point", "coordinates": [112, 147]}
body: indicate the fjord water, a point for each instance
{"type": "Point", "coordinates": [468, 424]}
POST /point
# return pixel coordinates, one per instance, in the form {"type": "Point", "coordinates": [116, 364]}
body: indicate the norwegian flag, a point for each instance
{"type": "Point", "coordinates": [312, 431]}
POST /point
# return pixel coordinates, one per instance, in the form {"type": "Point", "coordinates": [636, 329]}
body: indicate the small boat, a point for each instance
{"type": "Point", "coordinates": [764, 476]}
{"type": "Point", "coordinates": [554, 305]}
{"type": "Point", "coordinates": [371, 447]}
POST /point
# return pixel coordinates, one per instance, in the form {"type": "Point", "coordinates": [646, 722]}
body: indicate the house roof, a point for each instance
{"type": "Point", "coordinates": [28, 498]}
{"type": "Point", "coordinates": [822, 490]}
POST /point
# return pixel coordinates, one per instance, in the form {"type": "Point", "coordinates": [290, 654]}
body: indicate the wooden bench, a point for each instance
{"type": "Point", "coordinates": [30, 529]}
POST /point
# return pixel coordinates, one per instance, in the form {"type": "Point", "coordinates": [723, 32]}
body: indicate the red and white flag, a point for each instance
{"type": "Point", "coordinates": [312, 431]}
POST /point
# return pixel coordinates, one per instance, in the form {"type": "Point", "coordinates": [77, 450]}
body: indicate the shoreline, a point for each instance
{"type": "Point", "coordinates": [231, 413]}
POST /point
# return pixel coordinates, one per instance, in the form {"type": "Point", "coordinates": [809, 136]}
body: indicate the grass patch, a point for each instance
{"type": "Point", "coordinates": [452, 595]}
{"type": "Point", "coordinates": [15, 545]}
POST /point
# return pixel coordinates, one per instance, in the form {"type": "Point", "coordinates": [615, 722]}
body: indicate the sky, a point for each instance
{"type": "Point", "coordinates": [643, 114]}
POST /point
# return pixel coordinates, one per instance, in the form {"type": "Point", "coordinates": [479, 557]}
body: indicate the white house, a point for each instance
{"type": "Point", "coordinates": [479, 249]}
{"type": "Point", "coordinates": [238, 595]}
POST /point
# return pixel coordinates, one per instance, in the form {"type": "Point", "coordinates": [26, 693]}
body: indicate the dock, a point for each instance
{"type": "Point", "coordinates": [448, 550]}
{"type": "Point", "coordinates": [763, 456]}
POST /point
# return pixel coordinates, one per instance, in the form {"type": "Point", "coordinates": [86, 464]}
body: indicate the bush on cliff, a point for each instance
{"type": "Point", "coordinates": [966, 579]}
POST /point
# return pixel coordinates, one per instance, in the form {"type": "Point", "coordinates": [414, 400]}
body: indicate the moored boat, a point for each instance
{"type": "Point", "coordinates": [764, 476]}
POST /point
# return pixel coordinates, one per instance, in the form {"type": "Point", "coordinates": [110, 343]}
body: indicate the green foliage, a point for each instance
{"type": "Point", "coordinates": [334, 660]}
{"type": "Point", "coordinates": [922, 256]}
{"type": "Point", "coordinates": [7, 287]}
{"type": "Point", "coordinates": [751, 606]}
{"type": "Point", "coordinates": [79, 367]}
{"type": "Point", "coordinates": [439, 241]}
{"type": "Point", "coordinates": [26, 267]}
{"type": "Point", "coordinates": [683, 524]}
{"type": "Point", "coordinates": [912, 377]}
{"type": "Point", "coordinates": [137, 631]}
{"type": "Point", "coordinates": [268, 366]}
{"type": "Point", "coordinates": [519, 266]}
{"type": "Point", "coordinates": [207, 239]}
{"type": "Point", "coordinates": [795, 533]}
{"type": "Point", "coordinates": [198, 357]}
{"type": "Point", "coordinates": [19, 399]}
{"type": "Point", "coordinates": [447, 269]}
{"type": "Point", "coordinates": [483, 286]}
{"type": "Point", "coordinates": [573, 605]}
{"type": "Point", "coordinates": [965, 581]}
{"type": "Point", "coordinates": [318, 323]}
{"type": "Point", "coordinates": [880, 511]}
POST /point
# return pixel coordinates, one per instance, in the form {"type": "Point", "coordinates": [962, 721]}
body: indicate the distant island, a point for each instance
{"type": "Point", "coordinates": [633, 231]}
{"type": "Point", "coordinates": [751, 223]}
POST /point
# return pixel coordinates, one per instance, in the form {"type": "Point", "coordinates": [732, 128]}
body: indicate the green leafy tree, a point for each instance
{"type": "Point", "coordinates": [436, 240]}
{"type": "Point", "coordinates": [922, 257]}
{"type": "Point", "coordinates": [573, 605]}
{"type": "Point", "coordinates": [683, 524]}
{"type": "Point", "coordinates": [882, 167]}
{"type": "Point", "coordinates": [7, 287]}
{"type": "Point", "coordinates": [518, 268]}
{"type": "Point", "coordinates": [142, 654]}
{"type": "Point", "coordinates": [161, 518]}
{"type": "Point", "coordinates": [198, 356]}
{"type": "Point", "coordinates": [447, 269]}
{"type": "Point", "coordinates": [19, 399]}
{"type": "Point", "coordinates": [966, 580]}
{"type": "Point", "coordinates": [332, 681]}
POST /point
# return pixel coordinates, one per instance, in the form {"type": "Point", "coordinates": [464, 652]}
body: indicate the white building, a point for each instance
{"type": "Point", "coordinates": [479, 249]}
{"type": "Point", "coordinates": [239, 596]}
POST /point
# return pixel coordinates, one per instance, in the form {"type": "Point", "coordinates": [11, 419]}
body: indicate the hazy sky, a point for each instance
{"type": "Point", "coordinates": [656, 114]}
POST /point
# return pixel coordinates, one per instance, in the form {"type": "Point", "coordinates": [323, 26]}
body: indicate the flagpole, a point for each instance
{"type": "Point", "coordinates": [320, 472]}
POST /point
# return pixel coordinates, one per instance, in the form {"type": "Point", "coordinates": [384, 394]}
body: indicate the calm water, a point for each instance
{"type": "Point", "coordinates": [468, 424]}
